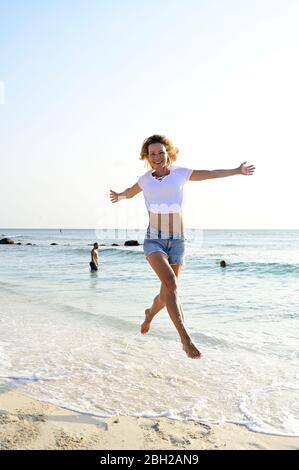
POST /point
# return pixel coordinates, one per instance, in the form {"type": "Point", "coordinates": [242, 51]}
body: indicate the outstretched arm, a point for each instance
{"type": "Point", "coordinates": [199, 175]}
{"type": "Point", "coordinates": [126, 194]}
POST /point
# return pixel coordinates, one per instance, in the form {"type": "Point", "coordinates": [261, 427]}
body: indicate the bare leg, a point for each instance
{"type": "Point", "coordinates": [162, 268]}
{"type": "Point", "coordinates": [159, 303]}
{"type": "Point", "coordinates": [157, 306]}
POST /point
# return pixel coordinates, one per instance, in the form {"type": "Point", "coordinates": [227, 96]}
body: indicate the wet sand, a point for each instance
{"type": "Point", "coordinates": [26, 423]}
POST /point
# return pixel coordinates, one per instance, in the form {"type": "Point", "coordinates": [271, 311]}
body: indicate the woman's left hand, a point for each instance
{"type": "Point", "coordinates": [246, 170]}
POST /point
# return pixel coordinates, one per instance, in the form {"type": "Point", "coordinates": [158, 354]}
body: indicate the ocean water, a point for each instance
{"type": "Point", "coordinates": [71, 337]}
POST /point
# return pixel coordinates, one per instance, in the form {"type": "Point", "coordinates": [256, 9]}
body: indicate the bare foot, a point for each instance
{"type": "Point", "coordinates": [191, 350]}
{"type": "Point", "coordinates": [147, 322]}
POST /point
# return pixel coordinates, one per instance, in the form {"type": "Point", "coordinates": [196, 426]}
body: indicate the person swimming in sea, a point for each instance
{"type": "Point", "coordinates": [94, 263]}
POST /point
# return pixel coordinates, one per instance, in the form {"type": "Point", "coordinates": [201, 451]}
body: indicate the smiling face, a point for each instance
{"type": "Point", "coordinates": [157, 156]}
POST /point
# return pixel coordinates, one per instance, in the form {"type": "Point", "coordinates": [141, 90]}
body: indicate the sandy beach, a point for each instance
{"type": "Point", "coordinates": [26, 423]}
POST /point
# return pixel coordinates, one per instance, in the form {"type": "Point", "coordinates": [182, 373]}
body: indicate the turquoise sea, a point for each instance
{"type": "Point", "coordinates": [71, 337]}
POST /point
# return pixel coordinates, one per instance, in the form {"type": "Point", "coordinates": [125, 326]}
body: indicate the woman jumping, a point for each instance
{"type": "Point", "coordinates": [164, 244]}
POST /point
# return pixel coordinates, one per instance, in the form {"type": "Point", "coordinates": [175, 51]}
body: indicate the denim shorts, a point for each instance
{"type": "Point", "coordinates": [173, 248]}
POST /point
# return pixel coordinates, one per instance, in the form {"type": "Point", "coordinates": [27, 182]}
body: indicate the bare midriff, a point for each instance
{"type": "Point", "coordinates": [170, 223]}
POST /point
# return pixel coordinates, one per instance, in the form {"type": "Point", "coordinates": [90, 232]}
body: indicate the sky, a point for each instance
{"type": "Point", "coordinates": [82, 84]}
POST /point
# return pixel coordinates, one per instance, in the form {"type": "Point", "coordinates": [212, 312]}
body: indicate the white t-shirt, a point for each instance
{"type": "Point", "coordinates": [166, 195]}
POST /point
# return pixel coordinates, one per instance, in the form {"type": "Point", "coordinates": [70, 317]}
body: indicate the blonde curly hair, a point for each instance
{"type": "Point", "coordinates": [171, 150]}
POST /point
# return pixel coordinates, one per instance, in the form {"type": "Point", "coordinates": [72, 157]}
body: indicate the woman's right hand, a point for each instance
{"type": "Point", "coordinates": [113, 196]}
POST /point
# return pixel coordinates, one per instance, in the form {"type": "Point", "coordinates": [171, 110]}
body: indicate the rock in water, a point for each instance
{"type": "Point", "coordinates": [132, 243]}
{"type": "Point", "coordinates": [6, 241]}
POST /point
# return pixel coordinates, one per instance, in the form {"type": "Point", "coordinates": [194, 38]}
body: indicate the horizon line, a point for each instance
{"type": "Point", "coordinates": [135, 228]}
